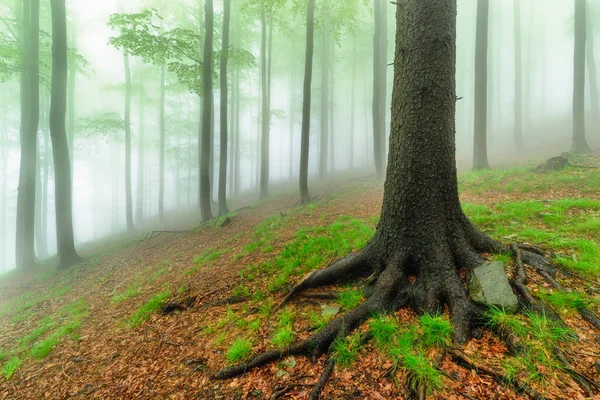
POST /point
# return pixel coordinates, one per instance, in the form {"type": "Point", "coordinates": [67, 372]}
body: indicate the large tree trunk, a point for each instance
{"type": "Point", "coordinates": [352, 106]}
{"type": "Point", "coordinates": [580, 144]}
{"type": "Point", "coordinates": [30, 105]}
{"type": "Point", "coordinates": [67, 255]}
{"type": "Point", "coordinates": [161, 155]}
{"type": "Point", "coordinates": [266, 112]}
{"type": "Point", "coordinates": [72, 80]}
{"type": "Point", "coordinates": [480, 159]}
{"type": "Point", "coordinates": [139, 208]}
{"type": "Point", "coordinates": [224, 127]}
{"type": "Point", "coordinates": [308, 70]}
{"type": "Point", "coordinates": [128, 190]}
{"type": "Point", "coordinates": [204, 142]}
{"type": "Point", "coordinates": [291, 118]}
{"type": "Point", "coordinates": [518, 127]}
{"type": "Point", "coordinates": [592, 72]}
{"type": "Point", "coordinates": [325, 53]}
{"type": "Point", "coordinates": [423, 238]}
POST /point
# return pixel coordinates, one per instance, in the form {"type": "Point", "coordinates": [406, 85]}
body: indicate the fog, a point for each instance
{"type": "Point", "coordinates": [96, 114]}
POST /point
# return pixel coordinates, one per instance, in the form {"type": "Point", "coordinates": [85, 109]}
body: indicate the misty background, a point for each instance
{"type": "Point", "coordinates": [98, 153]}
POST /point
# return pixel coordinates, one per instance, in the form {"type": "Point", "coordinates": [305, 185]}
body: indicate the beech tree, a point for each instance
{"type": "Point", "coordinates": [518, 126]}
{"type": "Point", "coordinates": [67, 255]}
{"type": "Point", "coordinates": [580, 144]}
{"type": "Point", "coordinates": [204, 147]}
{"type": "Point", "coordinates": [480, 158]}
{"type": "Point", "coordinates": [224, 109]}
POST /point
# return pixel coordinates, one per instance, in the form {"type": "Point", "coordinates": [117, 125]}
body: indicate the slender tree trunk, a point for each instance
{"type": "Point", "coordinates": [292, 115]}
{"type": "Point", "coordinates": [305, 139]}
{"type": "Point", "coordinates": [352, 106]}
{"type": "Point", "coordinates": [161, 155]}
{"type": "Point", "coordinates": [4, 153]}
{"type": "Point", "coordinates": [518, 128]}
{"type": "Point", "coordinates": [224, 121]}
{"type": "Point", "coordinates": [238, 152]}
{"type": "Point", "coordinates": [265, 119]}
{"type": "Point", "coordinates": [45, 183]}
{"type": "Point", "coordinates": [323, 145]}
{"type": "Point", "coordinates": [332, 110]}
{"type": "Point", "coordinates": [67, 255]}
{"type": "Point", "coordinates": [128, 186]}
{"type": "Point", "coordinates": [139, 208]}
{"type": "Point", "coordinates": [379, 89]}
{"type": "Point", "coordinates": [480, 159]}
{"type": "Point", "coordinates": [30, 104]}
{"type": "Point", "coordinates": [580, 144]}
{"type": "Point", "coordinates": [205, 148]}
{"type": "Point", "coordinates": [42, 250]}
{"type": "Point", "coordinates": [189, 157]}
{"type": "Point", "coordinates": [72, 81]}
{"type": "Point", "coordinates": [593, 74]}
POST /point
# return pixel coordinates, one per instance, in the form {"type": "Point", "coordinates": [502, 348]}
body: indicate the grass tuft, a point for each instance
{"type": "Point", "coordinates": [152, 306]}
{"type": "Point", "coordinates": [239, 350]}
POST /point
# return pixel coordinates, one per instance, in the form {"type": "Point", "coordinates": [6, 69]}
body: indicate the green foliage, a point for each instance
{"type": "Point", "coordinates": [155, 304]}
{"type": "Point", "coordinates": [10, 367]}
{"type": "Point", "coordinates": [109, 126]}
{"type": "Point", "coordinates": [131, 292]}
{"type": "Point", "coordinates": [349, 299]}
{"type": "Point", "coordinates": [345, 350]}
{"type": "Point", "coordinates": [437, 331]}
{"type": "Point", "coordinates": [566, 301]}
{"type": "Point", "coordinates": [421, 373]}
{"type": "Point", "coordinates": [318, 320]}
{"type": "Point", "coordinates": [239, 350]}
{"type": "Point", "coordinates": [283, 337]}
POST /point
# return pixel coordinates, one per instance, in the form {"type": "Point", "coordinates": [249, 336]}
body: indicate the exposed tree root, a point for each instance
{"type": "Point", "coordinates": [519, 387]}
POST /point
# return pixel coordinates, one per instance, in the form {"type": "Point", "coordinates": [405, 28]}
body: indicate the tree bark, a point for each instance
{"type": "Point", "coordinates": [308, 69]}
{"type": "Point", "coordinates": [352, 106]}
{"type": "Point", "coordinates": [139, 209]}
{"type": "Point", "coordinates": [580, 144]}
{"type": "Point", "coordinates": [325, 53]}
{"type": "Point", "coordinates": [291, 118]}
{"type": "Point", "coordinates": [378, 90]}
{"type": "Point", "coordinates": [238, 153]}
{"type": "Point", "coordinates": [518, 127]}
{"type": "Point", "coordinates": [4, 188]}
{"type": "Point", "coordinates": [223, 210]}
{"type": "Point", "coordinates": [205, 148]}
{"type": "Point", "coordinates": [67, 255]}
{"type": "Point", "coordinates": [72, 81]}
{"type": "Point", "coordinates": [266, 112]}
{"type": "Point", "coordinates": [161, 155]}
{"type": "Point", "coordinates": [30, 105]}
{"type": "Point", "coordinates": [480, 159]}
{"type": "Point", "coordinates": [593, 74]}
{"type": "Point", "coordinates": [128, 186]}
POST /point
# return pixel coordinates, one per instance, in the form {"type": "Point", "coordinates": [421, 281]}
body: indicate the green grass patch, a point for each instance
{"type": "Point", "coordinates": [239, 350]}
{"type": "Point", "coordinates": [129, 293]}
{"type": "Point", "coordinates": [345, 350]}
{"type": "Point", "coordinates": [348, 299]}
{"type": "Point", "coordinates": [283, 337]}
{"type": "Point", "coordinates": [10, 367]}
{"type": "Point", "coordinates": [155, 304]}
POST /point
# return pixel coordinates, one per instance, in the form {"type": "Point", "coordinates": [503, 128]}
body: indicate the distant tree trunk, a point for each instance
{"type": "Point", "coordinates": [332, 110]}
{"type": "Point", "coordinates": [161, 155]}
{"type": "Point", "coordinates": [592, 71]}
{"type": "Point", "coordinates": [352, 107]}
{"type": "Point", "coordinates": [518, 128]}
{"type": "Point", "coordinates": [323, 145]}
{"type": "Point", "coordinates": [139, 208]}
{"type": "Point", "coordinates": [189, 158]}
{"type": "Point", "coordinates": [45, 182]}
{"type": "Point", "coordinates": [4, 188]}
{"type": "Point", "coordinates": [379, 82]}
{"type": "Point", "coordinates": [480, 159]}
{"type": "Point", "coordinates": [205, 149]}
{"type": "Point", "coordinates": [580, 144]}
{"type": "Point", "coordinates": [292, 114]}
{"type": "Point", "coordinates": [72, 80]}
{"type": "Point", "coordinates": [128, 189]}
{"type": "Point", "coordinates": [224, 97]}
{"type": "Point", "coordinates": [67, 255]}
{"type": "Point", "coordinates": [305, 141]}
{"type": "Point", "coordinates": [238, 152]}
{"type": "Point", "coordinates": [30, 104]}
{"type": "Point", "coordinates": [265, 119]}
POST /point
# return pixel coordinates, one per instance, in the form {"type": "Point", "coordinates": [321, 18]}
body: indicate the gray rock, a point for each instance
{"type": "Point", "coordinates": [488, 285]}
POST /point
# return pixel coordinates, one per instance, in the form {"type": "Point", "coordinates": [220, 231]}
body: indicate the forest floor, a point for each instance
{"type": "Point", "coordinates": [153, 317]}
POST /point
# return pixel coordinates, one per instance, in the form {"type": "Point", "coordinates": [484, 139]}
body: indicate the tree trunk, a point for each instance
{"type": "Point", "coordinates": [265, 118]}
{"type": "Point", "coordinates": [518, 127]}
{"type": "Point", "coordinates": [580, 144]}
{"type": "Point", "coordinates": [4, 153]}
{"type": "Point", "coordinates": [30, 104]}
{"type": "Point", "coordinates": [323, 145]}
{"type": "Point", "coordinates": [305, 139]}
{"type": "Point", "coordinates": [128, 188]}
{"type": "Point", "coordinates": [139, 208]}
{"type": "Point", "coordinates": [67, 255]}
{"type": "Point", "coordinates": [45, 182]}
{"type": "Point", "coordinates": [72, 80]}
{"type": "Point", "coordinates": [205, 148]}
{"type": "Point", "coordinates": [224, 127]}
{"type": "Point", "coordinates": [591, 63]}
{"type": "Point", "coordinates": [352, 106]}
{"type": "Point", "coordinates": [161, 155]}
{"type": "Point", "coordinates": [292, 115]}
{"type": "Point", "coordinates": [332, 111]}
{"type": "Point", "coordinates": [379, 86]}
{"type": "Point", "coordinates": [237, 135]}
{"type": "Point", "coordinates": [480, 159]}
